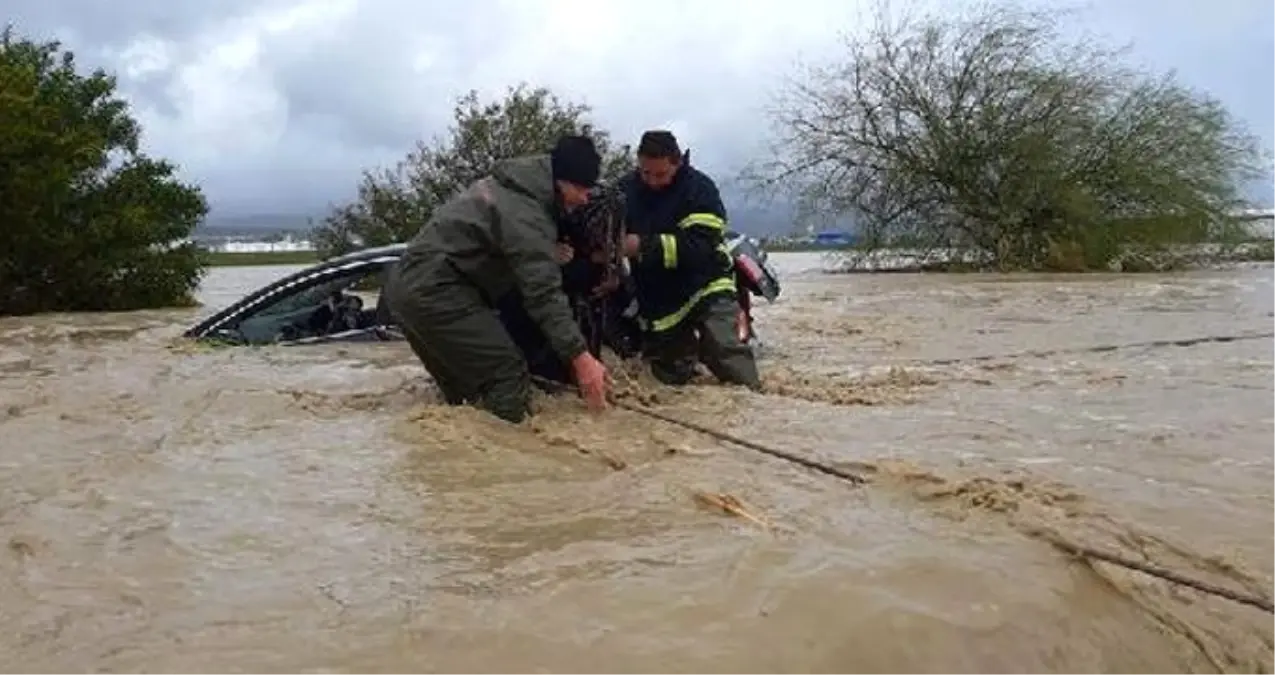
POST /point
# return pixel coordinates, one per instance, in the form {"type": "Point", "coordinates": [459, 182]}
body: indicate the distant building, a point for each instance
{"type": "Point", "coordinates": [264, 246]}
{"type": "Point", "coordinates": [246, 244]}
{"type": "Point", "coordinates": [835, 239]}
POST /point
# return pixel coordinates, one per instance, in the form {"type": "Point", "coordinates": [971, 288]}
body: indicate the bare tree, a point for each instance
{"type": "Point", "coordinates": [987, 131]}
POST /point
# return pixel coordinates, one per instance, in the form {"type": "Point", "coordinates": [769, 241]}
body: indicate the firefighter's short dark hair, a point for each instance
{"type": "Point", "coordinates": [659, 144]}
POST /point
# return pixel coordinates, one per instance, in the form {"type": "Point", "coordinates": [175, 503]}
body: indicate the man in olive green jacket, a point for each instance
{"type": "Point", "coordinates": [495, 238]}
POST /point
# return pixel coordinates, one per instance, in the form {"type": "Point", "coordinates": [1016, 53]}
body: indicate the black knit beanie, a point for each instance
{"type": "Point", "coordinates": [575, 160]}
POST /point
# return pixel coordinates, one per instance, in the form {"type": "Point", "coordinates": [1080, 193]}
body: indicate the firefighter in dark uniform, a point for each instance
{"type": "Point", "coordinates": [493, 240]}
{"type": "Point", "coordinates": [684, 277]}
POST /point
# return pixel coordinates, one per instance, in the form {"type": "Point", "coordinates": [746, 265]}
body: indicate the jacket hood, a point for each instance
{"type": "Point", "coordinates": [531, 176]}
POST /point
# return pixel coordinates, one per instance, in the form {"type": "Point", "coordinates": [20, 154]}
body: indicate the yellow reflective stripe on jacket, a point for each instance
{"type": "Point", "coordinates": [666, 322]}
{"type": "Point", "coordinates": [703, 220]}
{"type": "Point", "coordinates": [725, 251]}
{"type": "Point", "coordinates": [668, 244]}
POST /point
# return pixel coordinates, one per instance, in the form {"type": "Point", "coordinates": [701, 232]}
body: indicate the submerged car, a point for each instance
{"type": "Point", "coordinates": [323, 303]}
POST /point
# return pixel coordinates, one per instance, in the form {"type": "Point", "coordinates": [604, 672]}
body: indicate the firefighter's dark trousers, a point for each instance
{"type": "Point", "coordinates": [707, 335]}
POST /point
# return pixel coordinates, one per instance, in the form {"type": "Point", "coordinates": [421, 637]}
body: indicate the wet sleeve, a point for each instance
{"type": "Point", "coordinates": [697, 240]}
{"type": "Point", "coordinates": [527, 238]}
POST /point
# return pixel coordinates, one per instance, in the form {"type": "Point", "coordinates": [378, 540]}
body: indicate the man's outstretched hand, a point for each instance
{"type": "Point", "coordinates": [591, 378]}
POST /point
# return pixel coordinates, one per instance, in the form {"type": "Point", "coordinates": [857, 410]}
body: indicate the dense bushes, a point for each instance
{"type": "Point", "coordinates": [87, 221]}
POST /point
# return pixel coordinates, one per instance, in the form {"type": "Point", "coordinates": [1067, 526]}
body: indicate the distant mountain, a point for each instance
{"type": "Point", "coordinates": [780, 220]}
{"type": "Point", "coordinates": [757, 221]}
{"type": "Point", "coordinates": [746, 216]}
{"type": "Point", "coordinates": [754, 217]}
{"type": "Point", "coordinates": [761, 222]}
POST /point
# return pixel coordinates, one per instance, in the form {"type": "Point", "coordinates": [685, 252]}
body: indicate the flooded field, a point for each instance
{"type": "Point", "coordinates": [315, 509]}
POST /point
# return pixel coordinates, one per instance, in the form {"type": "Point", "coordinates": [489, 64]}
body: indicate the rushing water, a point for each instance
{"type": "Point", "coordinates": [171, 508]}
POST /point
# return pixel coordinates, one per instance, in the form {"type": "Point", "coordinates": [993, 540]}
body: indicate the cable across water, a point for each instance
{"type": "Point", "coordinates": [1071, 548]}
{"type": "Point", "coordinates": [601, 229]}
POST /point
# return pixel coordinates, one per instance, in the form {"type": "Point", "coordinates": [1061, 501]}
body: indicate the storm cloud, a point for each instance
{"type": "Point", "coordinates": [275, 106]}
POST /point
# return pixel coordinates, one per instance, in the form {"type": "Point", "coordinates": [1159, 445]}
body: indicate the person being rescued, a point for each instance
{"type": "Point", "coordinates": [684, 278]}
{"type": "Point", "coordinates": [491, 243]}
{"type": "Point", "coordinates": [601, 310]}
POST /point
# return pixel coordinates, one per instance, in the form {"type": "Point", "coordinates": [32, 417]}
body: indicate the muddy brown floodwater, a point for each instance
{"type": "Point", "coordinates": [165, 508]}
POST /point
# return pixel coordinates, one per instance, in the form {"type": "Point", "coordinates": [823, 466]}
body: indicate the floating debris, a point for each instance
{"type": "Point", "coordinates": [730, 505]}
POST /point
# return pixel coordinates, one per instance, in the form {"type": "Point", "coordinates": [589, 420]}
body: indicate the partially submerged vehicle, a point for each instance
{"type": "Point", "coordinates": [324, 303]}
{"type": "Point", "coordinates": [317, 304]}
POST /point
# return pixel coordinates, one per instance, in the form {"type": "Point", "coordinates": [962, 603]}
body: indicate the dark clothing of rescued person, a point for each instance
{"type": "Point", "coordinates": [492, 241]}
{"type": "Point", "coordinates": [541, 360]}
{"type": "Point", "coordinates": [607, 316]}
{"type": "Point", "coordinates": [685, 279]}
{"type": "Point", "coordinates": [580, 278]}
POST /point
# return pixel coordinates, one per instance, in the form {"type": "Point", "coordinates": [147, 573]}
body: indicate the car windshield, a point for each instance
{"type": "Point", "coordinates": [307, 299]}
{"type": "Point", "coordinates": [291, 314]}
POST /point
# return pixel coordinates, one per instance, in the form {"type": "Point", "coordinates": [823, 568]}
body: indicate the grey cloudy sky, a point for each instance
{"type": "Point", "coordinates": [275, 105]}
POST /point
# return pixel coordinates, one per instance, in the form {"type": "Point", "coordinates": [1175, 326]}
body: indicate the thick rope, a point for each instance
{"type": "Point", "coordinates": [1252, 600]}
{"type": "Point", "coordinates": [604, 229]}
{"type": "Point", "coordinates": [1170, 576]}
{"type": "Point", "coordinates": [743, 442]}
{"type": "Point", "coordinates": [1042, 353]}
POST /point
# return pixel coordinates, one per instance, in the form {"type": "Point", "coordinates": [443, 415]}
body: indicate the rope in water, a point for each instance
{"type": "Point", "coordinates": [807, 462]}
{"type": "Point", "coordinates": [605, 232]}
{"type": "Point", "coordinates": [1170, 576]}
{"type": "Point", "coordinates": [721, 435]}
{"type": "Point", "coordinates": [1042, 353]}
{"type": "Point", "coordinates": [1249, 599]}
